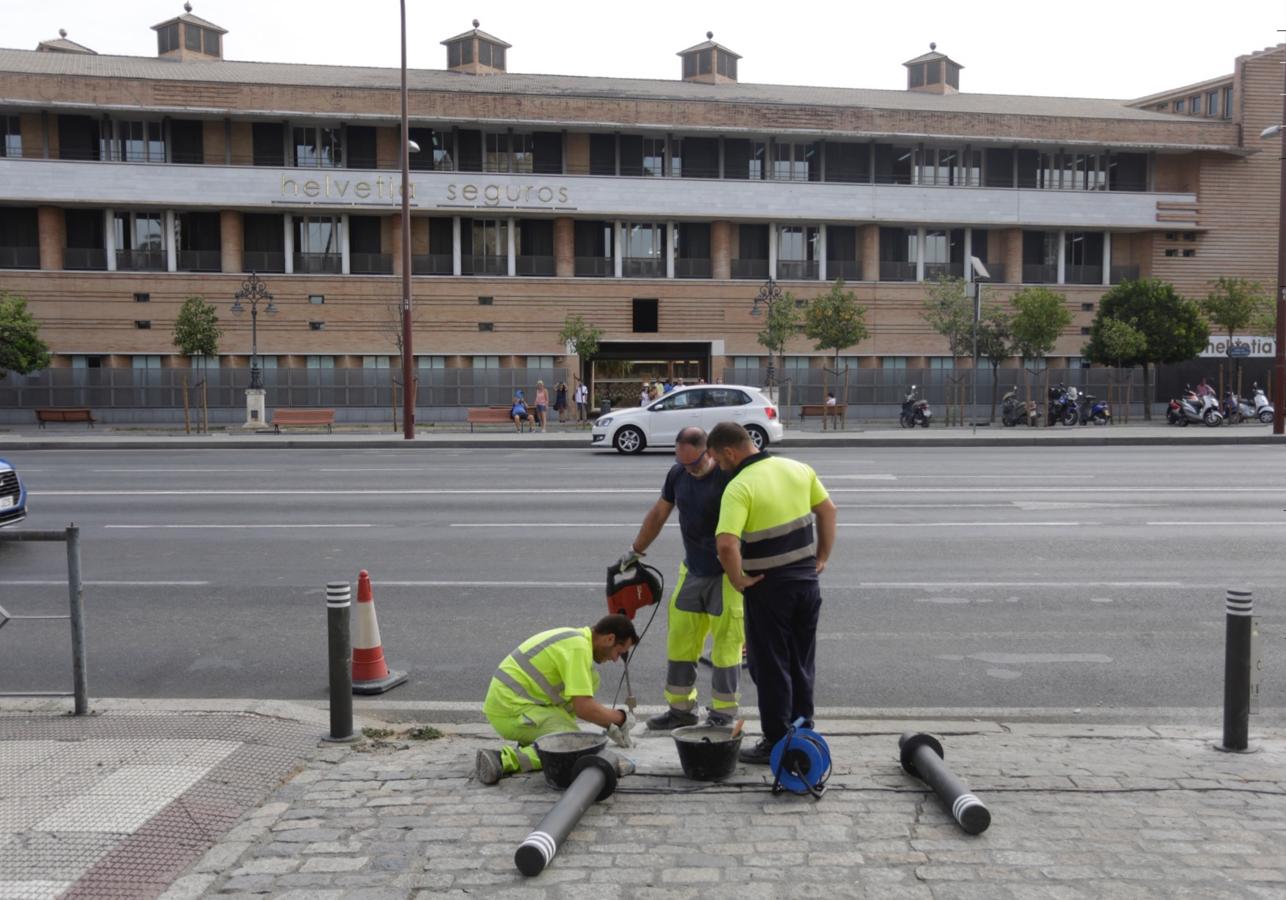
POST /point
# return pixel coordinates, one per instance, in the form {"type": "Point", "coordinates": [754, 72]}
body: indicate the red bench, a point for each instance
{"type": "Point", "coordinates": [65, 414]}
{"type": "Point", "coordinates": [294, 417]}
{"type": "Point", "coordinates": [493, 415]}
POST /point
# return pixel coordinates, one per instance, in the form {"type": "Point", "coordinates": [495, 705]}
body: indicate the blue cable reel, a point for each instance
{"type": "Point", "coordinates": [801, 762]}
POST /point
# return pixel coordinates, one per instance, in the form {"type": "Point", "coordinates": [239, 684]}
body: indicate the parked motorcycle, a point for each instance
{"type": "Point", "coordinates": [1093, 410]}
{"type": "Point", "coordinates": [1062, 406]}
{"type": "Point", "coordinates": [1263, 409]}
{"type": "Point", "coordinates": [1017, 412]}
{"type": "Point", "coordinates": [1236, 409]}
{"type": "Point", "coordinates": [915, 411]}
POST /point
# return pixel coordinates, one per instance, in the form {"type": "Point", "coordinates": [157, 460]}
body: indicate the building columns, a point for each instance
{"type": "Point", "coordinates": [109, 237]}
{"type": "Point", "coordinates": [455, 246]}
{"type": "Point", "coordinates": [231, 241]}
{"type": "Point", "coordinates": [395, 243]}
{"type": "Point", "coordinates": [868, 251]}
{"type": "Point", "coordinates": [721, 249]}
{"type": "Point", "coordinates": [772, 250]}
{"type": "Point", "coordinates": [618, 261]}
{"type": "Point", "coordinates": [511, 244]}
{"type": "Point", "coordinates": [1062, 256]}
{"type": "Point", "coordinates": [564, 247]}
{"type": "Point", "coordinates": [821, 252]}
{"type": "Point", "coordinates": [288, 242]}
{"type": "Point", "coordinates": [919, 253]}
{"type": "Point", "coordinates": [171, 251]}
{"type": "Point", "coordinates": [345, 252]}
{"type": "Point", "coordinates": [1107, 258]}
{"type": "Point", "coordinates": [51, 227]}
{"type": "Point", "coordinates": [671, 232]}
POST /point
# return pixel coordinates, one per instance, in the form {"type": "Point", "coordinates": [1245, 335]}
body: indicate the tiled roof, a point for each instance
{"type": "Point", "coordinates": [66, 46]}
{"type": "Point", "coordinates": [294, 74]}
{"type": "Point", "coordinates": [192, 20]}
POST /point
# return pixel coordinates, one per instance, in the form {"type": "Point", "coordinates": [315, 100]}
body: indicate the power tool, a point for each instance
{"type": "Point", "coordinates": [630, 590]}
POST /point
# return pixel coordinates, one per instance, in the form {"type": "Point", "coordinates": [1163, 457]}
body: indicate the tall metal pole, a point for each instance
{"type": "Point", "coordinates": [408, 366]}
{"type": "Point", "coordinates": [1279, 364]}
{"type": "Point", "coordinates": [76, 612]}
{"type": "Point", "coordinates": [255, 377]}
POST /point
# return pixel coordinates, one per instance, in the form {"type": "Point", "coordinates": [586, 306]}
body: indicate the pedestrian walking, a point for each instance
{"type": "Point", "coordinates": [560, 400]}
{"type": "Point", "coordinates": [582, 401]}
{"type": "Point", "coordinates": [542, 404]}
{"type": "Point", "coordinates": [775, 532]}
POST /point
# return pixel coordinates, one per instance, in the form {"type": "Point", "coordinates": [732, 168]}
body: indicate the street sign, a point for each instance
{"type": "Point", "coordinates": [1239, 350]}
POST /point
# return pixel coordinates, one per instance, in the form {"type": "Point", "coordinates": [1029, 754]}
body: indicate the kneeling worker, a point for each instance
{"type": "Point", "coordinates": [548, 683]}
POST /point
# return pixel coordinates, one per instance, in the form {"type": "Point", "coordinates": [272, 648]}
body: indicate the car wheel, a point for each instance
{"type": "Point", "coordinates": [629, 440]}
{"type": "Point", "coordinates": [758, 436]}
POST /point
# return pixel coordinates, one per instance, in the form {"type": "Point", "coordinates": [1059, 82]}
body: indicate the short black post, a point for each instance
{"type": "Point", "coordinates": [922, 757]}
{"type": "Point", "coordinates": [594, 778]}
{"type": "Point", "coordinates": [1239, 606]}
{"type": "Point", "coordinates": [339, 599]}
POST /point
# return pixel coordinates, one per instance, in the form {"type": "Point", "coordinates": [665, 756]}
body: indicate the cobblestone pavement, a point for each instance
{"type": "Point", "coordinates": [195, 800]}
{"type": "Point", "coordinates": [1078, 811]}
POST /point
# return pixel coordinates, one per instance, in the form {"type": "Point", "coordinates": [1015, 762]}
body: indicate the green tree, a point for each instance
{"type": "Point", "coordinates": [1118, 344]}
{"type": "Point", "coordinates": [835, 321]}
{"type": "Point", "coordinates": [21, 349]}
{"type": "Point", "coordinates": [197, 333]}
{"type": "Point", "coordinates": [1238, 305]}
{"type": "Point", "coordinates": [948, 310]}
{"type": "Point", "coordinates": [781, 323]}
{"type": "Point", "coordinates": [583, 339]}
{"type": "Point", "coordinates": [1173, 329]}
{"type": "Point", "coordinates": [1040, 316]}
{"type": "Point", "coordinates": [993, 345]}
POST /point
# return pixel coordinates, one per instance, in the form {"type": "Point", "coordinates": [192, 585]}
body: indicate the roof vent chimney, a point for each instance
{"type": "Point", "coordinates": [60, 44]}
{"type": "Point", "coordinates": [709, 63]}
{"type": "Point", "coordinates": [476, 53]}
{"type": "Point", "coordinates": [189, 38]}
{"type": "Point", "coordinates": [933, 73]}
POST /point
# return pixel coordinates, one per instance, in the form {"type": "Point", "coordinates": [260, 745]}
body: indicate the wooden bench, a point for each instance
{"type": "Point", "coordinates": [303, 417]}
{"type": "Point", "coordinates": [837, 413]}
{"type": "Point", "coordinates": [494, 415]}
{"type": "Point", "coordinates": [65, 414]}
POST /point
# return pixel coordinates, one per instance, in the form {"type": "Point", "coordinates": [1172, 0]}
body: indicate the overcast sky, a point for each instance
{"type": "Point", "coordinates": [1090, 48]}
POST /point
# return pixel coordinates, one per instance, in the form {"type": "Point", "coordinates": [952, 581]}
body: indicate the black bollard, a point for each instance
{"type": "Point", "coordinates": [339, 598]}
{"type": "Point", "coordinates": [922, 757]}
{"type": "Point", "coordinates": [594, 778]}
{"type": "Point", "coordinates": [1239, 605]}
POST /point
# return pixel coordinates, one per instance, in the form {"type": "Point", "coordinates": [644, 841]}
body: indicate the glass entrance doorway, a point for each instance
{"type": "Point", "coordinates": [622, 371]}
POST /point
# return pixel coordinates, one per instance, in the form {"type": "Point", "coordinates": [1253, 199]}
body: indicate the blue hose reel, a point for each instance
{"type": "Point", "coordinates": [801, 761]}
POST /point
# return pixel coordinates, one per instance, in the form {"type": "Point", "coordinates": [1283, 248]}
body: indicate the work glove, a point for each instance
{"type": "Point", "coordinates": [628, 559]}
{"type": "Point", "coordinates": [620, 734]}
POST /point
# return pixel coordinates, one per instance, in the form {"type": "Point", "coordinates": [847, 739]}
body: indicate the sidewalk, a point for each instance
{"type": "Point", "coordinates": [79, 437]}
{"type": "Point", "coordinates": [192, 799]}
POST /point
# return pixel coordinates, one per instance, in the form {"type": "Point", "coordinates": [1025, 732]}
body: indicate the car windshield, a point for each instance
{"type": "Point", "coordinates": [676, 400]}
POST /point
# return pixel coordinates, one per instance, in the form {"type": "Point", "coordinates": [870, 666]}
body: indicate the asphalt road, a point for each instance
{"type": "Point", "coordinates": [1032, 578]}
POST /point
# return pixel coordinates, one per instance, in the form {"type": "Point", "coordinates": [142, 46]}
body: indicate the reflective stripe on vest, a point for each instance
{"type": "Point", "coordinates": [523, 659]}
{"type": "Point", "coordinates": [779, 545]}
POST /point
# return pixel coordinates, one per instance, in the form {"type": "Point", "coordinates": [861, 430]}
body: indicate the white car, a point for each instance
{"type": "Point", "coordinates": [658, 423]}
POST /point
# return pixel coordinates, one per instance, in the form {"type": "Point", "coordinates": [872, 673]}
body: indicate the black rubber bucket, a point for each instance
{"type": "Point", "coordinates": [558, 754]}
{"type": "Point", "coordinates": [707, 752]}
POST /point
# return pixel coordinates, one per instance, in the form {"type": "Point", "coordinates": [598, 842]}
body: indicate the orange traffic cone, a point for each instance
{"type": "Point", "coordinates": [371, 673]}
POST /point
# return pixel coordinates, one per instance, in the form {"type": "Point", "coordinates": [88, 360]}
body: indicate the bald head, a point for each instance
{"type": "Point", "coordinates": [693, 436]}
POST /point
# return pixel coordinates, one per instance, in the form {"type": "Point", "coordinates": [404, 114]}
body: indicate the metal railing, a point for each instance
{"type": "Point", "coordinates": [692, 268]}
{"type": "Point", "coordinates": [75, 613]}
{"type": "Point", "coordinates": [85, 259]}
{"type": "Point", "coordinates": [484, 265]}
{"type": "Point", "coordinates": [372, 263]}
{"type": "Point", "coordinates": [933, 271]}
{"type": "Point", "coordinates": [1083, 274]}
{"type": "Point", "coordinates": [1039, 274]}
{"type": "Point", "coordinates": [750, 268]}
{"type": "Point", "coordinates": [1124, 273]}
{"type": "Point", "coordinates": [318, 263]}
{"type": "Point", "coordinates": [200, 260]}
{"type": "Point", "coordinates": [19, 257]}
{"type": "Point", "coordinates": [848, 269]}
{"type": "Point", "coordinates": [263, 261]}
{"type": "Point", "coordinates": [534, 265]}
{"type": "Point", "coordinates": [797, 269]}
{"type": "Point", "coordinates": [643, 267]}
{"type": "Point", "coordinates": [140, 260]}
{"type": "Point", "coordinates": [432, 264]}
{"type": "Point", "coordinates": [595, 267]}
{"type": "Point", "coordinates": [896, 271]}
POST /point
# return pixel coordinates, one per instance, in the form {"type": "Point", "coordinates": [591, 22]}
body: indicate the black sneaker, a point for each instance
{"type": "Point", "coordinates": [671, 719]}
{"type": "Point", "coordinates": [758, 755]}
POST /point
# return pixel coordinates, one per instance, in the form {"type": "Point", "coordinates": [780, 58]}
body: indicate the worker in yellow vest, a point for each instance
{"type": "Point", "coordinates": [546, 685]}
{"type": "Point", "coordinates": [776, 530]}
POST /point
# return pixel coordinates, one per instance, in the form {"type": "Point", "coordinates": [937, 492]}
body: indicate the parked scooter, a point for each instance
{"type": "Point", "coordinates": [1236, 409]}
{"type": "Point", "coordinates": [1062, 406]}
{"type": "Point", "coordinates": [915, 411]}
{"type": "Point", "coordinates": [1194, 408]}
{"type": "Point", "coordinates": [1017, 412]}
{"type": "Point", "coordinates": [1264, 411]}
{"type": "Point", "coordinates": [1093, 410]}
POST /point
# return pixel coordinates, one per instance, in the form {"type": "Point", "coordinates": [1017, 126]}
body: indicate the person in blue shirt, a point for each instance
{"type": "Point", "coordinates": [519, 410]}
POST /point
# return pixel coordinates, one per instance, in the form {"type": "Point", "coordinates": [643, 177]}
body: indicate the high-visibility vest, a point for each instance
{"type": "Point", "coordinates": [773, 497]}
{"type": "Point", "coordinates": [533, 673]}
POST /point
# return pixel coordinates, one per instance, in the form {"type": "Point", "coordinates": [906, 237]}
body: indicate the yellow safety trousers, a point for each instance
{"type": "Point", "coordinates": [686, 638]}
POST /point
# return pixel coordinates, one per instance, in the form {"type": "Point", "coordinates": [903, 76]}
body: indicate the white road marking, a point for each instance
{"type": "Point", "coordinates": [859, 477]}
{"type": "Point", "coordinates": [924, 506]}
{"type": "Point", "coordinates": [961, 524]}
{"type": "Point", "coordinates": [63, 583]}
{"type": "Point", "coordinates": [1012, 659]}
{"type": "Point", "coordinates": [997, 584]}
{"type": "Point", "coordinates": [251, 525]}
{"type": "Point", "coordinates": [336, 492]}
{"type": "Point", "coordinates": [548, 525]}
{"type": "Point", "coordinates": [1242, 524]}
{"type": "Point", "coordinates": [147, 470]}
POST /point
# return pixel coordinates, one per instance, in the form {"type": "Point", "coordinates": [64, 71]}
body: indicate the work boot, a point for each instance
{"type": "Point", "coordinates": [488, 767]}
{"type": "Point", "coordinates": [671, 719]}
{"type": "Point", "coordinates": [717, 719]}
{"type": "Point", "coordinates": [758, 755]}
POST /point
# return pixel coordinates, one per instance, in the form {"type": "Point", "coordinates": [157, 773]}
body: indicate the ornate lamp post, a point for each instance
{"type": "Point", "coordinates": [769, 295]}
{"type": "Point", "coordinates": [254, 290]}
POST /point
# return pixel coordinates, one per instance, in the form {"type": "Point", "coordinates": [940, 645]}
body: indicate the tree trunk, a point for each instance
{"type": "Point", "coordinates": [392, 383]}
{"type": "Point", "coordinates": [1147, 395]}
{"type": "Point", "coordinates": [995, 388]}
{"type": "Point", "coordinates": [187, 422]}
{"type": "Point", "coordinates": [1045, 393]}
{"type": "Point", "coordinates": [205, 405]}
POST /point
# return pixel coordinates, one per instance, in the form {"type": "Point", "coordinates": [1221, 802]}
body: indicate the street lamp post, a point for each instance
{"type": "Point", "coordinates": [769, 295]}
{"type": "Point", "coordinates": [1279, 362]}
{"type": "Point", "coordinates": [408, 364]}
{"type": "Point", "coordinates": [254, 290]}
{"type": "Point", "coordinates": [977, 273]}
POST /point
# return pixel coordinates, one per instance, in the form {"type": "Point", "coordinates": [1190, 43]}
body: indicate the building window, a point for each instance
{"type": "Point", "coordinates": [940, 363]}
{"type": "Point", "coordinates": [1190, 236]}
{"type": "Point", "coordinates": [1189, 252]}
{"type": "Point", "coordinates": [167, 38]}
{"type": "Point", "coordinates": [486, 326]}
{"type": "Point", "coordinates": [1087, 307]}
{"type": "Point", "coordinates": [1177, 106]}
{"type": "Point", "coordinates": [143, 324]}
{"type": "Point", "coordinates": [1227, 103]}
{"type": "Point", "coordinates": [133, 141]}
{"type": "Point", "coordinates": [892, 362]}
{"type": "Point", "coordinates": [796, 162]}
{"type": "Point", "coordinates": [10, 136]}
{"type": "Point", "coordinates": [486, 301]}
{"type": "Point", "coordinates": [705, 58]}
{"type": "Point", "coordinates": [211, 39]}
{"type": "Point", "coordinates": [495, 151]}
{"type": "Point", "coordinates": [540, 362]}
{"type": "Point", "coordinates": [486, 362]}
{"type": "Point", "coordinates": [1194, 105]}
{"type": "Point", "coordinates": [1212, 103]}
{"type": "Point", "coordinates": [145, 361]}
{"type": "Point", "coordinates": [192, 38]}
{"type": "Point", "coordinates": [318, 147]}
{"type": "Point", "coordinates": [431, 362]}
{"type": "Point", "coordinates": [646, 315]}
{"type": "Point", "coordinates": [142, 298]}
{"type": "Point", "coordinates": [319, 361]}
{"type": "Point", "coordinates": [1171, 251]}
{"type": "Point", "coordinates": [316, 299]}
{"type": "Point", "coordinates": [375, 362]}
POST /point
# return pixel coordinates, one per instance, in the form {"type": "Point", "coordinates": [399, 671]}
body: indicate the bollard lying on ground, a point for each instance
{"type": "Point", "coordinates": [594, 779]}
{"type": "Point", "coordinates": [922, 757]}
